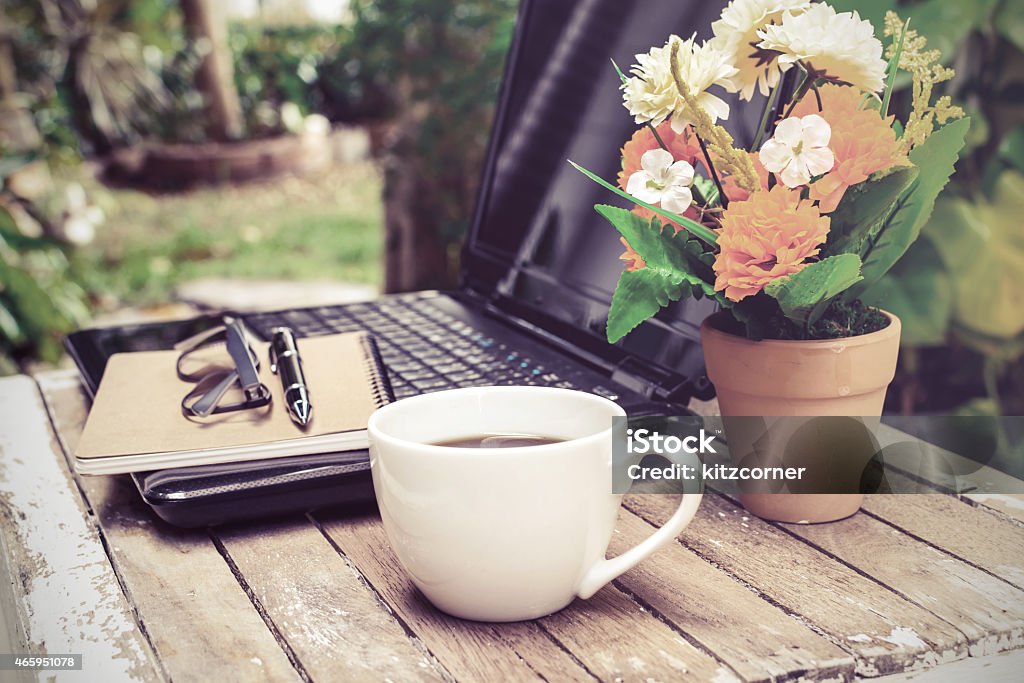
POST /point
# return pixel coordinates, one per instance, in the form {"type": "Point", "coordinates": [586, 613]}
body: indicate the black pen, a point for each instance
{"type": "Point", "coordinates": [287, 364]}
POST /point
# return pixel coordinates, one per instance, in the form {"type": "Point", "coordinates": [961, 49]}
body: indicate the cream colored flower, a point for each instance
{"type": "Point", "coordinates": [736, 36]}
{"type": "Point", "coordinates": [799, 150]}
{"type": "Point", "coordinates": [662, 180]}
{"type": "Point", "coordinates": [836, 46]}
{"type": "Point", "coordinates": [651, 94]}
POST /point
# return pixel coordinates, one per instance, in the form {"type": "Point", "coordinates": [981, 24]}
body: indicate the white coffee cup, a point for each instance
{"type": "Point", "coordinates": [504, 534]}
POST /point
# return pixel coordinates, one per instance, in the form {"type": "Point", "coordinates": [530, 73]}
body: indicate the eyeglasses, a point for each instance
{"type": "Point", "coordinates": [225, 382]}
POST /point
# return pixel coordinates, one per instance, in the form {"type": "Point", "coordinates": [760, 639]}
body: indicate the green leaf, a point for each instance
{"type": "Point", "coordinates": [805, 295]}
{"type": "Point", "coordinates": [872, 10]}
{"type": "Point", "coordinates": [919, 290]}
{"type": "Point", "coordinates": [934, 159]}
{"type": "Point", "coordinates": [639, 295]}
{"type": "Point", "coordinates": [945, 24]}
{"type": "Point", "coordinates": [982, 246]}
{"type": "Point", "coordinates": [693, 227]}
{"type": "Point", "coordinates": [891, 68]}
{"type": "Point", "coordinates": [864, 210]}
{"type": "Point", "coordinates": [661, 247]}
{"type": "Point", "coordinates": [9, 327]}
{"type": "Point", "coordinates": [1009, 21]}
{"type": "Point", "coordinates": [676, 267]}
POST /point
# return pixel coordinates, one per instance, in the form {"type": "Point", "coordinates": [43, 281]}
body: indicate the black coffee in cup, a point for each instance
{"type": "Point", "coordinates": [498, 441]}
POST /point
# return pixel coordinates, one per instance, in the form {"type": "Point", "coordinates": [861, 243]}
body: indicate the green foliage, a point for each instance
{"type": "Point", "coordinates": [81, 68]}
{"type": "Point", "coordinates": [805, 295]}
{"type": "Point", "coordinates": [676, 267]}
{"type": "Point", "coordinates": [951, 283]}
{"type": "Point", "coordinates": [275, 65]}
{"type": "Point", "coordinates": [865, 208]}
{"type": "Point", "coordinates": [441, 63]}
{"type": "Point", "coordinates": [934, 160]}
{"type": "Point", "coordinates": [38, 302]}
{"type": "Point", "coordinates": [1009, 21]}
{"type": "Point", "coordinates": [919, 291]}
{"type": "Point", "coordinates": [639, 295]}
{"type": "Point", "coordinates": [981, 245]}
{"type": "Point", "coordinates": [327, 225]}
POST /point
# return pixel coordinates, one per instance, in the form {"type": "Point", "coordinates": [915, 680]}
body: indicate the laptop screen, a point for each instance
{"type": "Point", "coordinates": [537, 242]}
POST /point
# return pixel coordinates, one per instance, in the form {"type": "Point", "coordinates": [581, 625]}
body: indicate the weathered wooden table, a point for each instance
{"type": "Point", "coordinates": [927, 583]}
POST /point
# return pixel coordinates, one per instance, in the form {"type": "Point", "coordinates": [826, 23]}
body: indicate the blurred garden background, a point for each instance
{"type": "Point", "coordinates": [147, 145]}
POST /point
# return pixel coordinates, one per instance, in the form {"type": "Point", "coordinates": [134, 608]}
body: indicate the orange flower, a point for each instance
{"type": "Point", "coordinates": [733, 191]}
{"type": "Point", "coordinates": [634, 261]}
{"type": "Point", "coordinates": [766, 237]}
{"type": "Point", "coordinates": [862, 142]}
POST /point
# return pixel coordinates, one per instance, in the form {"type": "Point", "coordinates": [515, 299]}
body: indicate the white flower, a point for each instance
{"type": "Point", "coordinates": [651, 94]}
{"type": "Point", "coordinates": [662, 180]}
{"type": "Point", "coordinates": [799, 150]}
{"type": "Point", "coordinates": [736, 37]}
{"type": "Point", "coordinates": [840, 46]}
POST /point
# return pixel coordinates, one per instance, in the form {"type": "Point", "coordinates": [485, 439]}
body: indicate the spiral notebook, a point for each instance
{"type": "Point", "coordinates": [136, 423]}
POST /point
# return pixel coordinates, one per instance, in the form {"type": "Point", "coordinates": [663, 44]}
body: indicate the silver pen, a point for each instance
{"type": "Point", "coordinates": [287, 364]}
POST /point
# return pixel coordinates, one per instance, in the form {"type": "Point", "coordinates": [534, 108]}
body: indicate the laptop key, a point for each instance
{"type": "Point", "coordinates": [436, 383]}
{"type": "Point", "coordinates": [423, 374]}
{"type": "Point", "coordinates": [449, 368]}
{"type": "Point", "coordinates": [464, 376]}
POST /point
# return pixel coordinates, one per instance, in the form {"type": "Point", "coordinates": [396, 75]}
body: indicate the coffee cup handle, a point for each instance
{"type": "Point", "coordinates": [605, 571]}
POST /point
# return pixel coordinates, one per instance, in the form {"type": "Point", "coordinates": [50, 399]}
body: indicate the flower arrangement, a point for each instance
{"type": "Point", "coordinates": [789, 235]}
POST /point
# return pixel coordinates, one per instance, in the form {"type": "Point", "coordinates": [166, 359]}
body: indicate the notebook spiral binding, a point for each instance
{"type": "Point", "coordinates": [380, 384]}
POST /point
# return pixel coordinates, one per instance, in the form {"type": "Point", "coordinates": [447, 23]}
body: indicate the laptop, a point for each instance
{"type": "Point", "coordinates": [538, 270]}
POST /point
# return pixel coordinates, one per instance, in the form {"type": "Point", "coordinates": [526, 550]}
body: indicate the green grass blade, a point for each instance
{"type": "Point", "coordinates": [691, 226]}
{"type": "Point", "coordinates": [891, 69]}
{"type": "Point", "coordinates": [769, 107]}
{"type": "Point", "coordinates": [622, 76]}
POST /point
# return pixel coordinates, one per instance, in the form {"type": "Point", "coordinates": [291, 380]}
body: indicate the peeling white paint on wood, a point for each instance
{"type": "Point", "coordinates": [70, 601]}
{"type": "Point", "coordinates": [904, 637]}
{"type": "Point", "coordinates": [1003, 668]}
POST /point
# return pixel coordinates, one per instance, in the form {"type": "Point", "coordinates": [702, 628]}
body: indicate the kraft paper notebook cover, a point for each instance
{"type": "Point", "coordinates": [136, 422]}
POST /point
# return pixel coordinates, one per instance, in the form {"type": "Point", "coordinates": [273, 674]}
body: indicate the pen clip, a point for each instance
{"type": "Point", "coordinates": [273, 358]}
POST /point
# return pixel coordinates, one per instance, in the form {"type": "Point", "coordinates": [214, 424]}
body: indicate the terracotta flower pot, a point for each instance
{"type": "Point", "coordinates": [833, 377]}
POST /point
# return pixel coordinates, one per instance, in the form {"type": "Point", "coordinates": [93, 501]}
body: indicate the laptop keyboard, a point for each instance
{"type": "Point", "coordinates": [426, 349]}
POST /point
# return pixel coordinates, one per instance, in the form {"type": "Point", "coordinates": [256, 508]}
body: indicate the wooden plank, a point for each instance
{"type": "Point", "coordinates": [971, 533]}
{"type": "Point", "coordinates": [319, 604]}
{"type": "Point", "coordinates": [929, 467]}
{"type": "Point", "coordinates": [885, 633]}
{"type": "Point", "coordinates": [12, 616]}
{"type": "Point", "coordinates": [470, 651]}
{"type": "Point", "coordinates": [65, 594]}
{"type": "Point", "coordinates": [716, 611]}
{"type": "Point", "coordinates": [608, 635]}
{"type": "Point", "coordinates": [616, 641]}
{"type": "Point", "coordinates": [985, 609]}
{"type": "Point", "coordinates": [1007, 504]}
{"type": "Point", "coordinates": [931, 463]}
{"type": "Point", "coordinates": [200, 622]}
{"type": "Point", "coordinates": [1002, 668]}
